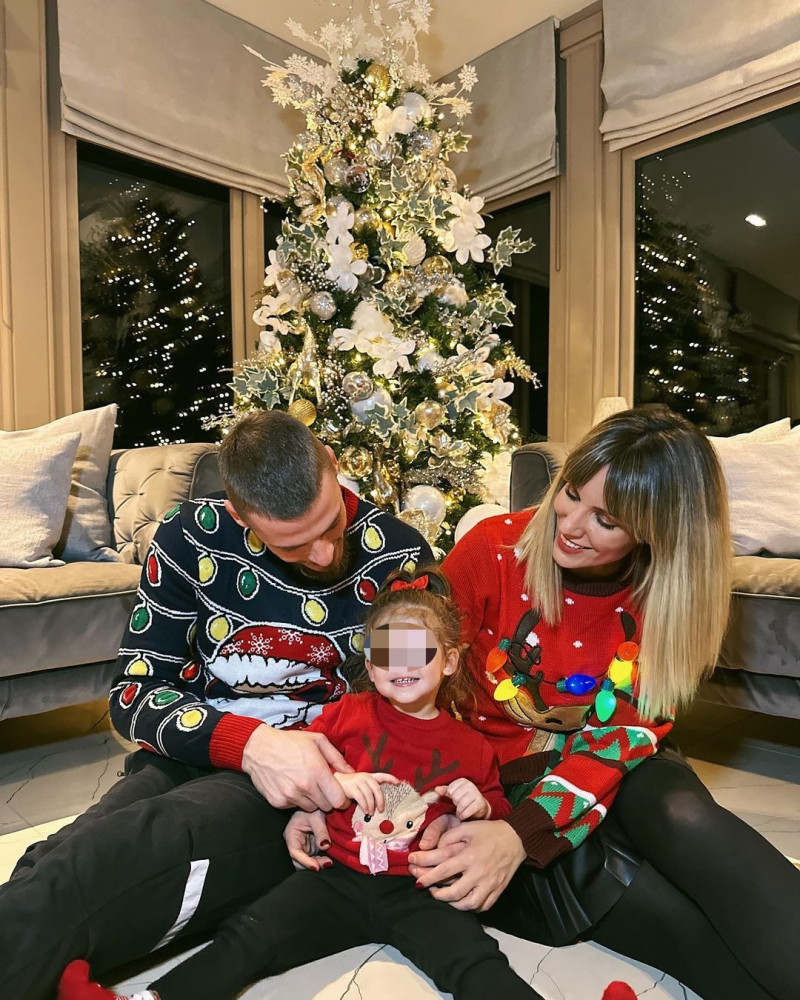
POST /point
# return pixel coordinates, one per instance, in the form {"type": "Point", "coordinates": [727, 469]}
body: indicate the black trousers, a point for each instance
{"type": "Point", "coordinates": [314, 914]}
{"type": "Point", "coordinates": [169, 850]}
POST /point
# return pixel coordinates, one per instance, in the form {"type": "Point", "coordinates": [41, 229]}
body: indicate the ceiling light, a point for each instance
{"type": "Point", "coordinates": [755, 220]}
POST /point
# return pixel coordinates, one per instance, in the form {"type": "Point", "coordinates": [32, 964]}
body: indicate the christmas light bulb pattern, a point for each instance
{"type": "Point", "coordinates": [256, 638]}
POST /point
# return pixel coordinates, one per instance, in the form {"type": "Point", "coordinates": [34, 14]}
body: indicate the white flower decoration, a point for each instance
{"type": "Point", "coordinates": [272, 271]}
{"type": "Point", "coordinates": [494, 393]}
{"type": "Point", "coordinates": [494, 475]}
{"type": "Point", "coordinates": [391, 354]}
{"type": "Point", "coordinates": [465, 240]}
{"type": "Point", "coordinates": [344, 269]}
{"type": "Point", "coordinates": [467, 209]}
{"type": "Point", "coordinates": [340, 224]}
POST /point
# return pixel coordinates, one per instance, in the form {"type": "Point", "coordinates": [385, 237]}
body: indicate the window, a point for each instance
{"type": "Point", "coordinates": [155, 297]}
{"type": "Point", "coordinates": [527, 284]}
{"type": "Point", "coordinates": [717, 282]}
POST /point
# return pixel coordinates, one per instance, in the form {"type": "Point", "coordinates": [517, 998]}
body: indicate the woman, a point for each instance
{"type": "Point", "coordinates": [626, 562]}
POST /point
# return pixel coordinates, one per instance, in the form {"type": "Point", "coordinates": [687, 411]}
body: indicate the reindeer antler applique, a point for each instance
{"type": "Point", "coordinates": [436, 771]}
{"type": "Point", "coordinates": [376, 752]}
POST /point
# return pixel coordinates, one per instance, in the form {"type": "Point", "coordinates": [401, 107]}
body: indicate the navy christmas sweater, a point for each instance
{"type": "Point", "coordinates": [225, 636]}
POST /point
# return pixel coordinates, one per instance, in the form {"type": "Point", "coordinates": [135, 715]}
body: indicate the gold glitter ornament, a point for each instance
{"type": "Point", "coordinates": [379, 78]}
{"type": "Point", "coordinates": [365, 220]}
{"type": "Point", "coordinates": [360, 251]}
{"type": "Point", "coordinates": [437, 267]}
{"type": "Point", "coordinates": [304, 410]}
{"type": "Point", "coordinates": [429, 414]}
{"type": "Point", "coordinates": [387, 212]}
{"type": "Point", "coordinates": [355, 462]}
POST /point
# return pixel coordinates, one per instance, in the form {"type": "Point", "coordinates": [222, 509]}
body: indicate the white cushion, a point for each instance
{"type": "Point", "coordinates": [763, 480]}
{"type": "Point", "coordinates": [86, 531]}
{"type": "Point", "coordinates": [35, 475]}
{"type": "Point", "coordinates": [767, 432]}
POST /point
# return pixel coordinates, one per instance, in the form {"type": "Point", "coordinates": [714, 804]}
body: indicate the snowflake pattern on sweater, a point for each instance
{"type": "Point", "coordinates": [560, 763]}
{"type": "Point", "coordinates": [225, 635]}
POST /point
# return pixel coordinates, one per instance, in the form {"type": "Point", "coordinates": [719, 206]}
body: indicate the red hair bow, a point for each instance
{"type": "Point", "coordinates": [420, 583]}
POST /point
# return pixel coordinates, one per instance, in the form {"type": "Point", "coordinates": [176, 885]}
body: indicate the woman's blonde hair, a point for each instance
{"type": "Point", "coordinates": [664, 485]}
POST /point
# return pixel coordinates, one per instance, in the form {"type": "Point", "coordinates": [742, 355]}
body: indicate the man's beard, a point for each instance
{"type": "Point", "coordinates": [338, 569]}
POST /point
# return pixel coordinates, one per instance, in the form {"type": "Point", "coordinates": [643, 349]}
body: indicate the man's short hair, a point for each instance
{"type": "Point", "coordinates": [271, 464]}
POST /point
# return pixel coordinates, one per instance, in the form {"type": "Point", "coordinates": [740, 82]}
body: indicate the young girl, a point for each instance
{"type": "Point", "coordinates": [414, 762]}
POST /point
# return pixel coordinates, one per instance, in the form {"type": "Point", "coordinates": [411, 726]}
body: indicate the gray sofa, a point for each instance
{"type": "Point", "coordinates": [759, 667]}
{"type": "Point", "coordinates": [62, 626]}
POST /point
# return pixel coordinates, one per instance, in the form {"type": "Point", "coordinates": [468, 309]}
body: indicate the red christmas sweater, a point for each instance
{"type": "Point", "coordinates": [422, 753]}
{"type": "Point", "coordinates": [561, 765]}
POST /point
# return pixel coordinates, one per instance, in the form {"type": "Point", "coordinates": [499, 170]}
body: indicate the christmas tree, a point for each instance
{"type": "Point", "coordinates": [149, 318]}
{"type": "Point", "coordinates": [686, 356]}
{"type": "Point", "coordinates": [379, 327]}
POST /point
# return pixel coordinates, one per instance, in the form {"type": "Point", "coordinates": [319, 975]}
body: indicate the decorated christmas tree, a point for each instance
{"type": "Point", "coordinates": [149, 317]}
{"type": "Point", "coordinates": [687, 357]}
{"type": "Point", "coordinates": [379, 327]}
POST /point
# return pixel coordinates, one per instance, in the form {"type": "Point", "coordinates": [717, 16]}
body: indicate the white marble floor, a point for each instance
{"type": "Point", "coordinates": [53, 767]}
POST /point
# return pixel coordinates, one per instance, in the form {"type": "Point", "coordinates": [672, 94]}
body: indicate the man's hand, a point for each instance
{"type": "Point", "coordinates": [467, 799]}
{"type": "Point", "coordinates": [477, 860]}
{"type": "Point", "coordinates": [306, 834]}
{"type": "Point", "coordinates": [365, 788]}
{"type": "Point", "coordinates": [294, 769]}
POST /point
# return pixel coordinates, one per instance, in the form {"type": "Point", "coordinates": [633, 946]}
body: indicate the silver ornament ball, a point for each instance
{"type": "Point", "coordinates": [357, 386]}
{"type": "Point", "coordinates": [322, 304]}
{"type": "Point", "coordinates": [429, 414]}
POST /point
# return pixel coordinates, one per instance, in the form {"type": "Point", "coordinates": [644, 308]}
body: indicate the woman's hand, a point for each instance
{"type": "Point", "coordinates": [481, 857]}
{"type": "Point", "coordinates": [306, 834]}
{"type": "Point", "coordinates": [365, 788]}
{"type": "Point", "coordinates": [466, 797]}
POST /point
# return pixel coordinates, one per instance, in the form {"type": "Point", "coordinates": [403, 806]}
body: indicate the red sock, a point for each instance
{"type": "Point", "coordinates": [614, 991]}
{"type": "Point", "coordinates": [75, 984]}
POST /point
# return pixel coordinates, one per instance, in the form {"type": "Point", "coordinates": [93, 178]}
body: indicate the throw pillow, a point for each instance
{"type": "Point", "coordinates": [763, 480]}
{"type": "Point", "coordinates": [86, 532]}
{"type": "Point", "coordinates": [35, 477]}
{"type": "Point", "coordinates": [767, 432]}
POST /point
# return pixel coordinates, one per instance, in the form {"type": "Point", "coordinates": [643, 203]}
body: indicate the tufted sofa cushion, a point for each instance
{"type": "Point", "coordinates": [147, 482]}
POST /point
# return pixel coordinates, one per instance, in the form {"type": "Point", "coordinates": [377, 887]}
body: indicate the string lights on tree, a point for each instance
{"type": "Point", "coordinates": [378, 327]}
{"type": "Point", "coordinates": [686, 357]}
{"type": "Point", "coordinates": [155, 335]}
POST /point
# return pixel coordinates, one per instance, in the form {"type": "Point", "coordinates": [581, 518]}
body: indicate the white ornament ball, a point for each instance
{"type": "Point", "coordinates": [427, 499]}
{"type": "Point", "coordinates": [475, 515]}
{"type": "Point", "coordinates": [361, 408]}
{"type": "Point", "coordinates": [323, 305]}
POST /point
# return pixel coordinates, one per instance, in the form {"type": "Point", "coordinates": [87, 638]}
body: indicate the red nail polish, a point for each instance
{"type": "Point", "coordinates": [418, 885]}
{"type": "Point", "coordinates": [325, 844]}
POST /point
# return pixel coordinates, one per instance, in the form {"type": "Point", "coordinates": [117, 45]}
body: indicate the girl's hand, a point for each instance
{"type": "Point", "coordinates": [365, 788]}
{"type": "Point", "coordinates": [464, 795]}
{"type": "Point", "coordinates": [306, 834]}
{"type": "Point", "coordinates": [478, 860]}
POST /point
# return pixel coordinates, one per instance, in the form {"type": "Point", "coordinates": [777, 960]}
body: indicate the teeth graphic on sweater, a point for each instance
{"type": "Point", "coordinates": [258, 670]}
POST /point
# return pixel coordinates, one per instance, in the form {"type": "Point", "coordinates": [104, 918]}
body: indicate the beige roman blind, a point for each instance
{"type": "Point", "coordinates": [670, 62]}
{"type": "Point", "coordinates": [170, 81]}
{"type": "Point", "coordinates": [513, 123]}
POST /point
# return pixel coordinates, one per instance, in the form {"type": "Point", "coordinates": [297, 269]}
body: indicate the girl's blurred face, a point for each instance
{"type": "Point", "coordinates": [589, 542]}
{"type": "Point", "coordinates": [406, 664]}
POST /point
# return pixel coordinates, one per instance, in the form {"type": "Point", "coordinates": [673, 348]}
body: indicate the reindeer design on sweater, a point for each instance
{"type": "Point", "coordinates": [404, 810]}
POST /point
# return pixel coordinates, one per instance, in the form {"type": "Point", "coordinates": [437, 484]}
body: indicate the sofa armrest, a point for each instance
{"type": "Point", "coordinates": [533, 469]}
{"type": "Point", "coordinates": [144, 483]}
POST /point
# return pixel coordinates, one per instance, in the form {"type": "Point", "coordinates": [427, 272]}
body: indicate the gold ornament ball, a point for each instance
{"type": "Point", "coordinates": [360, 251]}
{"type": "Point", "coordinates": [387, 212]}
{"type": "Point", "coordinates": [437, 267]}
{"type": "Point", "coordinates": [379, 78]}
{"type": "Point", "coordinates": [355, 462]}
{"type": "Point", "coordinates": [365, 220]}
{"type": "Point", "coordinates": [304, 410]}
{"type": "Point", "coordinates": [429, 414]}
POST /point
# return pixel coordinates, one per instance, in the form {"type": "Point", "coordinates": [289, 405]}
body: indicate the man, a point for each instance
{"type": "Point", "coordinates": [247, 608]}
